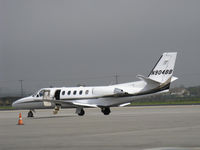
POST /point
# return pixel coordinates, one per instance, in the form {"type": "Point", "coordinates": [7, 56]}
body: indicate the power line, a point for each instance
{"type": "Point", "coordinates": [116, 78]}
{"type": "Point", "coordinates": [21, 83]}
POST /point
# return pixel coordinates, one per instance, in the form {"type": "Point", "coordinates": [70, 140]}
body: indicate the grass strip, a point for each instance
{"type": "Point", "coordinates": [189, 102]}
{"type": "Point", "coordinates": [5, 107]}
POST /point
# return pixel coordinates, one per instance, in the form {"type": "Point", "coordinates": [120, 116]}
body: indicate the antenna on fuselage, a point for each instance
{"type": "Point", "coordinates": [80, 85]}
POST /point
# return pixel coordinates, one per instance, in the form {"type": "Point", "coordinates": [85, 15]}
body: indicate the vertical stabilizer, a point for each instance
{"type": "Point", "coordinates": [164, 68]}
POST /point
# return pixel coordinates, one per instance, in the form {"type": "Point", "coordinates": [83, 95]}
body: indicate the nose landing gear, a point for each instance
{"type": "Point", "coordinates": [30, 114]}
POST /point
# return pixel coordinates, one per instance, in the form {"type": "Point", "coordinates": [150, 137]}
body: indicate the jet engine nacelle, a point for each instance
{"type": "Point", "coordinates": [99, 91]}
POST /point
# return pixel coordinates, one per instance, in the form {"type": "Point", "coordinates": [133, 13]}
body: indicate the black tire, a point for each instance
{"type": "Point", "coordinates": [106, 110]}
{"type": "Point", "coordinates": [81, 113]}
{"type": "Point", "coordinates": [30, 114]}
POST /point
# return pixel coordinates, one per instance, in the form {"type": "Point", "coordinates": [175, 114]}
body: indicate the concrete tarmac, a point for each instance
{"type": "Point", "coordinates": [130, 128]}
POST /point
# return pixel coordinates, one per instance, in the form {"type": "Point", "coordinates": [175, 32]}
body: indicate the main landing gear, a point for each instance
{"type": "Point", "coordinates": [105, 110]}
{"type": "Point", "coordinates": [80, 111]}
{"type": "Point", "coordinates": [56, 109]}
{"type": "Point", "coordinates": [30, 114]}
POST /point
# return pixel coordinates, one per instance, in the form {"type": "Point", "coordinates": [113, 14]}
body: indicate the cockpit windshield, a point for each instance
{"type": "Point", "coordinates": [39, 93]}
{"type": "Point", "coordinates": [35, 93]}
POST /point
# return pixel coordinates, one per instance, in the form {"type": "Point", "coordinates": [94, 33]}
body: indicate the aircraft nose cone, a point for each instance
{"type": "Point", "coordinates": [17, 103]}
{"type": "Point", "coordinates": [14, 104]}
{"type": "Point", "coordinates": [22, 103]}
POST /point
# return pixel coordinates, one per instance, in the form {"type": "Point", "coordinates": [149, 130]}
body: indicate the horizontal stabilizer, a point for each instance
{"type": "Point", "coordinates": [173, 79]}
{"type": "Point", "coordinates": [148, 80]}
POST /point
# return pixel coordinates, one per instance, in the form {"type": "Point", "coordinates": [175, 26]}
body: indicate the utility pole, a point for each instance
{"type": "Point", "coordinates": [21, 83]}
{"type": "Point", "coordinates": [116, 78]}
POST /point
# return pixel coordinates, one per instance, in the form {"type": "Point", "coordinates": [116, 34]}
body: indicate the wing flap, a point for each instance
{"type": "Point", "coordinates": [125, 104]}
{"type": "Point", "coordinates": [83, 104]}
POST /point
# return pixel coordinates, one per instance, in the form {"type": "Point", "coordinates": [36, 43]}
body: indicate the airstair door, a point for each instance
{"type": "Point", "coordinates": [46, 95]}
{"type": "Point", "coordinates": [57, 95]}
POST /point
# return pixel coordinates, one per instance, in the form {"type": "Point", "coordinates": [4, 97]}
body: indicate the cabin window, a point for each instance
{"type": "Point", "coordinates": [74, 92]}
{"type": "Point", "coordinates": [87, 92]}
{"type": "Point", "coordinates": [63, 92]}
{"type": "Point", "coordinates": [80, 92]}
{"type": "Point", "coordinates": [69, 92]}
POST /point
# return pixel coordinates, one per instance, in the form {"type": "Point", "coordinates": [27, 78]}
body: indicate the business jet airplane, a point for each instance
{"type": "Point", "coordinates": [104, 97]}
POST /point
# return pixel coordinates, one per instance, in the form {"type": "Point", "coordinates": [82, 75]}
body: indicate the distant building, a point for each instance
{"type": "Point", "coordinates": [180, 92]}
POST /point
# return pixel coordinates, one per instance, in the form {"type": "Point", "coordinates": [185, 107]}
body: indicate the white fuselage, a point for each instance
{"type": "Point", "coordinates": [93, 96]}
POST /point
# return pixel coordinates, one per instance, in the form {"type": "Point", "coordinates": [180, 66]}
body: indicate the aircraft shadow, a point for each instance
{"type": "Point", "coordinates": [47, 117]}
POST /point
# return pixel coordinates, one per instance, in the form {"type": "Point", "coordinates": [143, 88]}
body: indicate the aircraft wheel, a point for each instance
{"type": "Point", "coordinates": [81, 113]}
{"type": "Point", "coordinates": [30, 114]}
{"type": "Point", "coordinates": [106, 110]}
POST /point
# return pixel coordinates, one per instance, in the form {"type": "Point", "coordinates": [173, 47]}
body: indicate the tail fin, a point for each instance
{"type": "Point", "coordinates": [164, 68]}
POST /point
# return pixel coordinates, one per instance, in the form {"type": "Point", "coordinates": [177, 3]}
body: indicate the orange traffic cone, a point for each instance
{"type": "Point", "coordinates": [20, 122]}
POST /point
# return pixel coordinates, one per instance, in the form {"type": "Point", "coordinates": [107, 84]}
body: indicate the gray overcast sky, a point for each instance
{"type": "Point", "coordinates": [63, 43]}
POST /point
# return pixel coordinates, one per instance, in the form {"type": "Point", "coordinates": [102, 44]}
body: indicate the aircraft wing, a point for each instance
{"type": "Point", "coordinates": [72, 103]}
